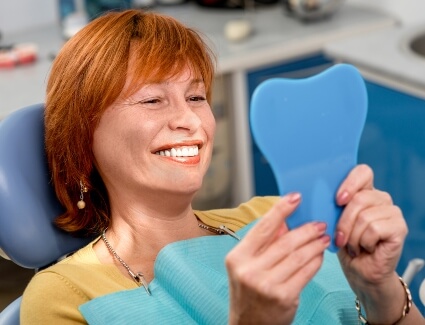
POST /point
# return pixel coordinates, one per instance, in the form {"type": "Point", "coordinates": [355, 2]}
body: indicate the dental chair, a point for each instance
{"type": "Point", "coordinates": [28, 204]}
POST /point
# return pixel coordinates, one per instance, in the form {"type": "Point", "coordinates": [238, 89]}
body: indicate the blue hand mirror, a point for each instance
{"type": "Point", "coordinates": [309, 131]}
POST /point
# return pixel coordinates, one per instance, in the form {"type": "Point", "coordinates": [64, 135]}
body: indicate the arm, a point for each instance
{"type": "Point", "coordinates": [271, 265]}
{"type": "Point", "coordinates": [370, 234]}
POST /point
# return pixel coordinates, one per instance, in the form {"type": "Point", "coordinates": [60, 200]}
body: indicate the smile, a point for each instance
{"type": "Point", "coordinates": [188, 151]}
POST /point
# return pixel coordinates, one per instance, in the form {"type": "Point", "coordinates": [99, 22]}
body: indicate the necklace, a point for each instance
{"type": "Point", "coordinates": [220, 231]}
{"type": "Point", "coordinates": [139, 277]}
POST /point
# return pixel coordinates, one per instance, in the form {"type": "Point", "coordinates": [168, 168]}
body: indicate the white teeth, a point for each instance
{"type": "Point", "coordinates": [180, 152]}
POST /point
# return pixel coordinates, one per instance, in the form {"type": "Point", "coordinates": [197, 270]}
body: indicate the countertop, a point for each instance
{"type": "Point", "coordinates": [276, 37]}
{"type": "Point", "coordinates": [385, 55]}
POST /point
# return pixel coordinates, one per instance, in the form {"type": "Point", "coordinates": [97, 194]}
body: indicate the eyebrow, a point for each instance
{"type": "Point", "coordinates": [166, 82]}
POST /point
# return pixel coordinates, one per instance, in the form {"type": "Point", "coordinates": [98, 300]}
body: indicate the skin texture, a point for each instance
{"type": "Point", "coordinates": [159, 116]}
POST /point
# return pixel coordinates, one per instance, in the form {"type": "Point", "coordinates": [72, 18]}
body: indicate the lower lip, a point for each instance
{"type": "Point", "coordinates": [184, 160]}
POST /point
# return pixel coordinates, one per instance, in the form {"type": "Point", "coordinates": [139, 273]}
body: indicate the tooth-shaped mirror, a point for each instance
{"type": "Point", "coordinates": [309, 131]}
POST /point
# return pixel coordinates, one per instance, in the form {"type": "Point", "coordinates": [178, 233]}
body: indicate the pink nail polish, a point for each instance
{"type": "Point", "coordinates": [326, 239]}
{"type": "Point", "coordinates": [294, 197]}
{"type": "Point", "coordinates": [339, 239]}
{"type": "Point", "coordinates": [320, 226]}
{"type": "Point", "coordinates": [343, 197]}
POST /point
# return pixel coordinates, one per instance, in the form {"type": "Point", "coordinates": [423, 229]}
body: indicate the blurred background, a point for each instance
{"type": "Point", "coordinates": [20, 15]}
{"type": "Point", "coordinates": [256, 40]}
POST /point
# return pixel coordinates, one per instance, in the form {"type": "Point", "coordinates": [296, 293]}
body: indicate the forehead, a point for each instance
{"type": "Point", "coordinates": [138, 77]}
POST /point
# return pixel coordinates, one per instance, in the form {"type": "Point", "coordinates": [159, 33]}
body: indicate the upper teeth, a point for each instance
{"type": "Point", "coordinates": [179, 152]}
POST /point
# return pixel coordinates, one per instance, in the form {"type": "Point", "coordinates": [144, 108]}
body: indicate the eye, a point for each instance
{"type": "Point", "coordinates": [197, 98]}
{"type": "Point", "coordinates": [150, 101]}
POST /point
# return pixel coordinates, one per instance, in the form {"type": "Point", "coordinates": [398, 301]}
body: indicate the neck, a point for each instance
{"type": "Point", "coordinates": [138, 234]}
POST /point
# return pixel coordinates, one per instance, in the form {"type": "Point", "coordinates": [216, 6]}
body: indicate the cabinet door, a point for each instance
{"type": "Point", "coordinates": [264, 181]}
{"type": "Point", "coordinates": [393, 144]}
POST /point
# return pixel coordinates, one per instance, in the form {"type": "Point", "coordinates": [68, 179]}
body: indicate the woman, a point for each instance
{"type": "Point", "coordinates": [129, 138]}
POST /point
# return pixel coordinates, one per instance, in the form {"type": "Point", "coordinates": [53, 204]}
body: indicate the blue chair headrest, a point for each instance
{"type": "Point", "coordinates": [28, 204]}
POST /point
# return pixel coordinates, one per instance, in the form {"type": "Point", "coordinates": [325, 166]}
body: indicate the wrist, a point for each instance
{"type": "Point", "coordinates": [376, 314]}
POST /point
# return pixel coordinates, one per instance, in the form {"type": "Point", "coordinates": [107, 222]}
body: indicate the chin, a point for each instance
{"type": "Point", "coordinates": [183, 188]}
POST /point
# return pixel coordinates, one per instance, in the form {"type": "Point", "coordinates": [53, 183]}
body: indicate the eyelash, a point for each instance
{"type": "Point", "coordinates": [149, 101]}
{"type": "Point", "coordinates": [197, 98]}
{"type": "Point", "coordinates": [155, 100]}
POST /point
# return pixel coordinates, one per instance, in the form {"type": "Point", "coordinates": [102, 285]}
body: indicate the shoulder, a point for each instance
{"type": "Point", "coordinates": [50, 297]}
{"type": "Point", "coordinates": [54, 294]}
{"type": "Point", "coordinates": [240, 216]}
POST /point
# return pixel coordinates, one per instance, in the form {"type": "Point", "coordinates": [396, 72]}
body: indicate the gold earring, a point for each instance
{"type": "Point", "coordinates": [83, 189]}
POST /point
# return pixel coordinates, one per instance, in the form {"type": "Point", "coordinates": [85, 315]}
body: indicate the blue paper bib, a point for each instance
{"type": "Point", "coordinates": [191, 287]}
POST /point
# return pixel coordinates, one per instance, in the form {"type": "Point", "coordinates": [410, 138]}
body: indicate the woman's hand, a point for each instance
{"type": "Point", "coordinates": [371, 230]}
{"type": "Point", "coordinates": [271, 265]}
{"type": "Point", "coordinates": [370, 234]}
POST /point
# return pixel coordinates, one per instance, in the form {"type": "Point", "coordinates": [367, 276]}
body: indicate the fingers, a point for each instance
{"type": "Point", "coordinates": [299, 266]}
{"type": "Point", "coordinates": [377, 224]}
{"type": "Point", "coordinates": [386, 229]}
{"type": "Point", "coordinates": [357, 208]}
{"type": "Point", "coordinates": [369, 219]}
{"type": "Point", "coordinates": [292, 244]}
{"type": "Point", "coordinates": [271, 265]}
{"type": "Point", "coordinates": [269, 226]}
{"type": "Point", "coordinates": [301, 278]}
{"type": "Point", "coordinates": [284, 267]}
{"type": "Point", "coordinates": [360, 177]}
{"type": "Point", "coordinates": [289, 290]}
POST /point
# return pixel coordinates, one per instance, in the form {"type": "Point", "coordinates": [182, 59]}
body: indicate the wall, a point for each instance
{"type": "Point", "coordinates": [16, 15]}
{"type": "Point", "coordinates": [408, 11]}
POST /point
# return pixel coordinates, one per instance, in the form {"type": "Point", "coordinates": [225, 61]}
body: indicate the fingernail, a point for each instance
{"type": "Point", "coordinates": [326, 239]}
{"type": "Point", "coordinates": [351, 251]}
{"type": "Point", "coordinates": [342, 198]}
{"type": "Point", "coordinates": [320, 226]}
{"type": "Point", "coordinates": [339, 239]}
{"type": "Point", "coordinates": [294, 197]}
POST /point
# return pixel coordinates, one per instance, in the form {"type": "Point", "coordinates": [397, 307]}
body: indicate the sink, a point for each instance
{"type": "Point", "coordinates": [417, 45]}
{"type": "Point", "coordinates": [413, 41]}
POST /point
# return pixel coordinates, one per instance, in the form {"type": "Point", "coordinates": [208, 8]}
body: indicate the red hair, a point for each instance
{"type": "Point", "coordinates": [87, 76]}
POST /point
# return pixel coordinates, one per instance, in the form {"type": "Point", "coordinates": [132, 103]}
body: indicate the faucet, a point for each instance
{"type": "Point", "coordinates": [413, 267]}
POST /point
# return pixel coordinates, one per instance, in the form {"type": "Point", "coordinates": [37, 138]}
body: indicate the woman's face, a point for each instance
{"type": "Point", "coordinates": [159, 140]}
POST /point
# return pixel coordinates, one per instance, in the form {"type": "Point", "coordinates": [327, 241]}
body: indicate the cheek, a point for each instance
{"type": "Point", "coordinates": [209, 124]}
{"type": "Point", "coordinates": [113, 141]}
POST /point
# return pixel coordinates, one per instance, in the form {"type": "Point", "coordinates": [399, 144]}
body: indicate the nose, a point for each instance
{"type": "Point", "coordinates": [184, 117]}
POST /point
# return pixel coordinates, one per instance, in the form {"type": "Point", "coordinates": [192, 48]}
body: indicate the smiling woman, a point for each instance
{"type": "Point", "coordinates": [129, 136]}
{"type": "Point", "coordinates": [91, 78]}
{"type": "Point", "coordinates": [180, 121]}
